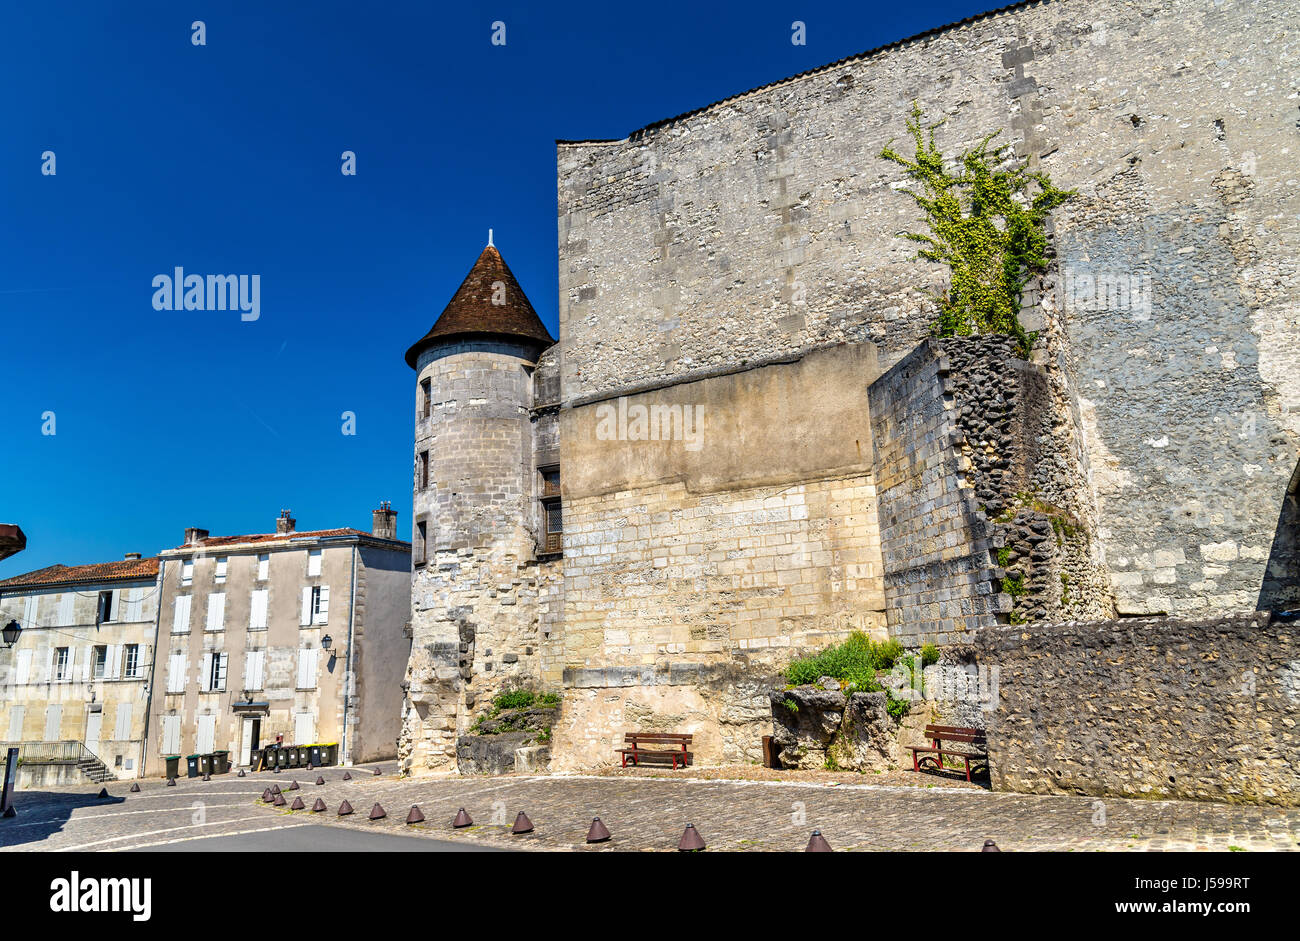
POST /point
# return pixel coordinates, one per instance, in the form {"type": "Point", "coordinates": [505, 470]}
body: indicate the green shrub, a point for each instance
{"type": "Point", "coordinates": [929, 655]}
{"type": "Point", "coordinates": [514, 699]}
{"type": "Point", "coordinates": [856, 661]}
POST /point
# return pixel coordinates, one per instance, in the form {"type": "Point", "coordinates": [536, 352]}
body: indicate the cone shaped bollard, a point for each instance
{"type": "Point", "coordinates": [267, 795]}
{"type": "Point", "coordinates": [318, 806]}
{"type": "Point", "coordinates": [9, 812]}
{"type": "Point", "coordinates": [415, 816]}
{"type": "Point", "coordinates": [462, 820]}
{"type": "Point", "coordinates": [378, 772]}
{"type": "Point", "coordinates": [135, 788]}
{"type": "Point", "coordinates": [347, 776]}
{"type": "Point", "coordinates": [691, 841]}
{"type": "Point", "coordinates": [297, 804]}
{"type": "Point", "coordinates": [279, 800]}
{"type": "Point", "coordinates": [171, 782]}
{"type": "Point", "coordinates": [276, 770]}
{"type": "Point", "coordinates": [344, 809]}
{"type": "Point", "coordinates": [293, 786]}
{"type": "Point", "coordinates": [207, 777]}
{"type": "Point", "coordinates": [377, 813]}
{"type": "Point", "coordinates": [275, 789]}
{"type": "Point", "coordinates": [241, 773]}
{"type": "Point", "coordinates": [598, 833]}
{"type": "Point", "coordinates": [817, 843]}
{"type": "Point", "coordinates": [990, 847]}
{"type": "Point", "coordinates": [103, 792]}
{"type": "Point", "coordinates": [522, 825]}
{"type": "Point", "coordinates": [319, 779]}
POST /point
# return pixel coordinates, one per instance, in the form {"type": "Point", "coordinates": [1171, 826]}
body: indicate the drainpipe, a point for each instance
{"type": "Point", "coordinates": [347, 661]}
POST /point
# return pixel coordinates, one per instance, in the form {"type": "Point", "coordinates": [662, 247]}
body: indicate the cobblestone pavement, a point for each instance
{"type": "Point", "coordinates": [645, 813]}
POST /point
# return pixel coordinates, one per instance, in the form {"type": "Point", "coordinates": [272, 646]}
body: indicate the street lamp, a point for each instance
{"type": "Point", "coordinates": [326, 642]}
{"type": "Point", "coordinates": [11, 632]}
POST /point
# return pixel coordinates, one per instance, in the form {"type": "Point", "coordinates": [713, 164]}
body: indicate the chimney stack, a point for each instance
{"type": "Point", "coordinates": [133, 557]}
{"type": "Point", "coordinates": [195, 536]}
{"type": "Point", "coordinates": [384, 521]}
{"type": "Point", "coordinates": [285, 523]}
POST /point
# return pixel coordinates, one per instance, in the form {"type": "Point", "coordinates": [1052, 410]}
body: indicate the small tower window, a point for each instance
{"type": "Point", "coordinates": [424, 470]}
{"type": "Point", "coordinates": [421, 542]}
{"type": "Point", "coordinates": [425, 406]}
{"type": "Point", "coordinates": [552, 511]}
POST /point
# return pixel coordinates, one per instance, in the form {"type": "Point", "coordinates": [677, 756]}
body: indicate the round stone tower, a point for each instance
{"type": "Point", "coordinates": [473, 503]}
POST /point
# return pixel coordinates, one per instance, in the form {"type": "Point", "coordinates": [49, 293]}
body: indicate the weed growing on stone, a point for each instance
{"type": "Point", "coordinates": [985, 225]}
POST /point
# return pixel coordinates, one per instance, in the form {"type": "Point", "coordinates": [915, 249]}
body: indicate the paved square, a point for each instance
{"type": "Point", "coordinates": [643, 813]}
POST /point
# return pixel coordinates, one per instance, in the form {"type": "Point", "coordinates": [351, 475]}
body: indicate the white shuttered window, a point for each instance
{"type": "Point", "coordinates": [181, 616]}
{"type": "Point", "coordinates": [254, 663]}
{"type": "Point", "coordinates": [307, 669]}
{"type": "Point", "coordinates": [217, 611]}
{"type": "Point", "coordinates": [257, 610]}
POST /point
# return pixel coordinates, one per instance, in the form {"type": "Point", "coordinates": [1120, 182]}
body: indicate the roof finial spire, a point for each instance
{"type": "Point", "coordinates": [490, 245]}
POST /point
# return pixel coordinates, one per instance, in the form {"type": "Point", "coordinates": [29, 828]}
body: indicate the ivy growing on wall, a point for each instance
{"type": "Point", "coordinates": [987, 221]}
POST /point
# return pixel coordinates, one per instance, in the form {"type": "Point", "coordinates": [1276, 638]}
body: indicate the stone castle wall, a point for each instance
{"type": "Point", "coordinates": [1147, 707]}
{"type": "Point", "coordinates": [767, 224]}
{"type": "Point", "coordinates": [693, 574]}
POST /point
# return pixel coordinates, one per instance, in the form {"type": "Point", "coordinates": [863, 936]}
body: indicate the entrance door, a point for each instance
{"type": "Point", "coordinates": [252, 738]}
{"type": "Point", "coordinates": [94, 725]}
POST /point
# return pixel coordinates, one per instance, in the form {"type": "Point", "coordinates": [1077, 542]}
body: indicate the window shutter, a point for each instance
{"type": "Point", "coordinates": [257, 609]}
{"type": "Point", "coordinates": [122, 730]}
{"type": "Point", "coordinates": [65, 609]}
{"type": "Point", "coordinates": [181, 619]}
{"type": "Point", "coordinates": [16, 714]}
{"type": "Point", "coordinates": [304, 728]}
{"type": "Point", "coordinates": [205, 675]}
{"type": "Point", "coordinates": [176, 673]}
{"type": "Point", "coordinates": [259, 663]}
{"type": "Point", "coordinates": [31, 608]}
{"type": "Point", "coordinates": [306, 607]}
{"type": "Point", "coordinates": [113, 665]}
{"type": "Point", "coordinates": [217, 611]}
{"type": "Point", "coordinates": [323, 615]}
{"type": "Point", "coordinates": [306, 669]}
{"type": "Point", "coordinates": [53, 719]}
{"type": "Point", "coordinates": [24, 669]}
{"type": "Point", "coordinates": [223, 661]}
{"type": "Point", "coordinates": [49, 664]}
{"type": "Point", "coordinates": [88, 658]}
{"type": "Point", "coordinates": [313, 562]}
{"type": "Point", "coordinates": [71, 662]}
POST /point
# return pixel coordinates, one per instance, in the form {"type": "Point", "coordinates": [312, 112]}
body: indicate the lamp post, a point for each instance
{"type": "Point", "coordinates": [11, 632]}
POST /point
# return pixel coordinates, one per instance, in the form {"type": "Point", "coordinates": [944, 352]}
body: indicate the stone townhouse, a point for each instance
{"type": "Point", "coordinates": [294, 635]}
{"type": "Point", "coordinates": [746, 443]}
{"type": "Point", "coordinates": [78, 675]}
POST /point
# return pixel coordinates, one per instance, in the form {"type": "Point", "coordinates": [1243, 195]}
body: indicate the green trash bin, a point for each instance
{"type": "Point", "coordinates": [330, 753]}
{"type": "Point", "coordinates": [192, 766]}
{"type": "Point", "coordinates": [220, 762]}
{"type": "Point", "coordinates": [173, 765]}
{"type": "Point", "coordinates": [304, 756]}
{"type": "Point", "coordinates": [282, 757]}
{"type": "Point", "coordinates": [268, 757]}
{"type": "Point", "coordinates": [205, 764]}
{"type": "Point", "coordinates": [314, 755]}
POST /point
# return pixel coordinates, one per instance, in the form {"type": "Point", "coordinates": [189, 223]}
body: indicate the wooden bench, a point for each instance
{"type": "Point", "coordinates": [634, 747]}
{"type": "Point", "coordinates": [974, 739]}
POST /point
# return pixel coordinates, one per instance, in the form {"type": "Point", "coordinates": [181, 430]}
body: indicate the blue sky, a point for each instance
{"type": "Point", "coordinates": [225, 159]}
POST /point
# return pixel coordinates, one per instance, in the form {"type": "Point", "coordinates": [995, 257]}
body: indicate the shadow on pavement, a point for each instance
{"type": "Point", "coordinates": [42, 813]}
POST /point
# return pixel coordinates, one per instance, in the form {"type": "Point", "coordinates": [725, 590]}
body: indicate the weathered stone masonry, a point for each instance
{"type": "Point", "coordinates": [1149, 707]}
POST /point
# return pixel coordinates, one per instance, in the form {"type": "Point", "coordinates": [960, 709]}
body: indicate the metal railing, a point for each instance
{"type": "Point", "coordinates": [48, 753]}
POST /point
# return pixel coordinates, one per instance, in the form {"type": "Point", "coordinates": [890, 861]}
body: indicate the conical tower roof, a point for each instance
{"type": "Point", "coordinates": [489, 302]}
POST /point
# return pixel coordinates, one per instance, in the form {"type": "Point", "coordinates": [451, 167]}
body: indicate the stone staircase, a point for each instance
{"type": "Point", "coordinates": [92, 767]}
